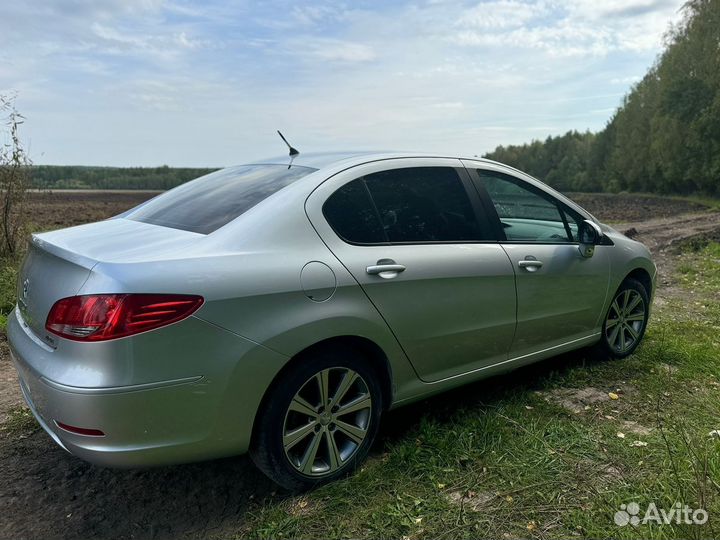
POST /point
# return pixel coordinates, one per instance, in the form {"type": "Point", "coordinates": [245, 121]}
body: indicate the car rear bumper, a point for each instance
{"type": "Point", "coordinates": [143, 427]}
{"type": "Point", "coordinates": [152, 423]}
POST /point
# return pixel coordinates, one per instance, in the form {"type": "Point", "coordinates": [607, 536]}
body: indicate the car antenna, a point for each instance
{"type": "Point", "coordinates": [293, 151]}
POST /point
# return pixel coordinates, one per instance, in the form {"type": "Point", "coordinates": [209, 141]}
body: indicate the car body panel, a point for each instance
{"type": "Point", "coordinates": [628, 256]}
{"type": "Point", "coordinates": [44, 277]}
{"type": "Point", "coordinates": [563, 299]}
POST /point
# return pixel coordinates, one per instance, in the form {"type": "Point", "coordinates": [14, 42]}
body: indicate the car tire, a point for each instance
{"type": "Point", "coordinates": [318, 420]}
{"type": "Point", "coordinates": [625, 320]}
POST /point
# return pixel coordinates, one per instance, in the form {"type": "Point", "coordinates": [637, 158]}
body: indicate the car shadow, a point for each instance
{"type": "Point", "coordinates": [486, 392]}
{"type": "Point", "coordinates": [48, 493]}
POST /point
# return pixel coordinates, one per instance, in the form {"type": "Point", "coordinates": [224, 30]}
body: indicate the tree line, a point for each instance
{"type": "Point", "coordinates": [77, 177]}
{"type": "Point", "coordinates": [665, 136]}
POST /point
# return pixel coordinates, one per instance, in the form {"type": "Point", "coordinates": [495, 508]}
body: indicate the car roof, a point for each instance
{"type": "Point", "coordinates": [321, 160]}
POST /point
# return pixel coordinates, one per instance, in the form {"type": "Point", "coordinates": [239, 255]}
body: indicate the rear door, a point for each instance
{"type": "Point", "coordinates": [413, 234]}
{"type": "Point", "coordinates": [560, 293]}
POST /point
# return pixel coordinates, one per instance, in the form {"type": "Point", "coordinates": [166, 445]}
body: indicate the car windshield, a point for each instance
{"type": "Point", "coordinates": [212, 201]}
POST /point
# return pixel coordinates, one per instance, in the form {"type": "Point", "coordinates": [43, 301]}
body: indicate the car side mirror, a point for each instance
{"type": "Point", "coordinates": [590, 234]}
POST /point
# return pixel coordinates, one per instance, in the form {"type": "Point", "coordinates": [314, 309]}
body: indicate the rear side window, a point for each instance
{"type": "Point", "coordinates": [352, 216]}
{"type": "Point", "coordinates": [412, 205]}
{"type": "Point", "coordinates": [206, 204]}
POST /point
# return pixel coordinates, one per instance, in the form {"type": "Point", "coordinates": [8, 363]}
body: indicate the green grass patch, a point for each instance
{"type": "Point", "coordinates": [544, 453]}
{"type": "Point", "coordinates": [8, 289]}
{"type": "Point", "coordinates": [19, 421]}
{"type": "Point", "coordinates": [699, 268]}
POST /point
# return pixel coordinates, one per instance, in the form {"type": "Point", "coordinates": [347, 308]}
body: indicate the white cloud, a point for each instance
{"type": "Point", "coordinates": [619, 9]}
{"type": "Point", "coordinates": [562, 40]}
{"type": "Point", "coordinates": [334, 50]}
{"type": "Point", "coordinates": [567, 27]}
{"type": "Point", "coordinates": [500, 15]}
{"type": "Point", "coordinates": [456, 105]}
{"type": "Point", "coordinates": [115, 41]}
{"type": "Point", "coordinates": [625, 81]}
{"type": "Point", "coordinates": [311, 15]}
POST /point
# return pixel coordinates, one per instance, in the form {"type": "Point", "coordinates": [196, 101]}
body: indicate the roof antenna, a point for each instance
{"type": "Point", "coordinates": [293, 151]}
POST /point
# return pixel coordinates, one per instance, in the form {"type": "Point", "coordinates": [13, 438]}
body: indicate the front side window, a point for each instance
{"type": "Point", "coordinates": [411, 205]}
{"type": "Point", "coordinates": [527, 214]}
{"type": "Point", "coordinates": [206, 204]}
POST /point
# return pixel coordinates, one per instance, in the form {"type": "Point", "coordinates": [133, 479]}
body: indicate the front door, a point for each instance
{"type": "Point", "coordinates": [417, 243]}
{"type": "Point", "coordinates": [560, 293]}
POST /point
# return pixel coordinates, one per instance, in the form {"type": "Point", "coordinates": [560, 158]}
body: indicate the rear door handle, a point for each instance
{"type": "Point", "coordinates": [385, 268]}
{"type": "Point", "coordinates": [530, 265]}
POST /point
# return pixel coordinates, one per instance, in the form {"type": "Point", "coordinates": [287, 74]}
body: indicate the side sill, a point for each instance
{"type": "Point", "coordinates": [542, 352]}
{"type": "Point", "coordinates": [421, 390]}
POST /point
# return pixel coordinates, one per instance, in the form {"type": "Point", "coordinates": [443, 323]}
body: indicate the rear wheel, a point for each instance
{"type": "Point", "coordinates": [319, 420]}
{"type": "Point", "coordinates": [626, 319]}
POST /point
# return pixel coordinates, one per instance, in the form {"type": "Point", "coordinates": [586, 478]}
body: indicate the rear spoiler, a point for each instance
{"type": "Point", "coordinates": [75, 258]}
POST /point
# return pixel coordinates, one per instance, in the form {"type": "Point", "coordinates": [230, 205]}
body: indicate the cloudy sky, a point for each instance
{"type": "Point", "coordinates": [195, 83]}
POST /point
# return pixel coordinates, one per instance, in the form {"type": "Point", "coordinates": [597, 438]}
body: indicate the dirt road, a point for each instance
{"type": "Point", "coordinates": [46, 493]}
{"type": "Point", "coordinates": [665, 235]}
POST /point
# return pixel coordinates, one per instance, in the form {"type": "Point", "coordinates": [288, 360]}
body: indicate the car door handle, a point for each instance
{"type": "Point", "coordinates": [385, 268]}
{"type": "Point", "coordinates": [530, 265]}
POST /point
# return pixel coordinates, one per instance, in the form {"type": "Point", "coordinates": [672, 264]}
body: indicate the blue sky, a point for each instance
{"type": "Point", "coordinates": [206, 83]}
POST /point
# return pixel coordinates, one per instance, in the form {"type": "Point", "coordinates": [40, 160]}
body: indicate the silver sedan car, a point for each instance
{"type": "Point", "coordinates": [281, 307]}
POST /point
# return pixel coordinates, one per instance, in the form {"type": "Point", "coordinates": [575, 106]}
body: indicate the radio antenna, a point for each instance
{"type": "Point", "coordinates": [293, 151]}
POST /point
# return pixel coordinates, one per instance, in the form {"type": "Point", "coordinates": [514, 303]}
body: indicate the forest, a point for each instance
{"type": "Point", "coordinates": [665, 136]}
{"type": "Point", "coordinates": [77, 177]}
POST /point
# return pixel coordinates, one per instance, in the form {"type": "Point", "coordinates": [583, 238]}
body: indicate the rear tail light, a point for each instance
{"type": "Point", "coordinates": [99, 317]}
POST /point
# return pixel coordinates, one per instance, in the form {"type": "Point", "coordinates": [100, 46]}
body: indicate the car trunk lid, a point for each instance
{"type": "Point", "coordinates": [46, 275]}
{"type": "Point", "coordinates": [58, 263]}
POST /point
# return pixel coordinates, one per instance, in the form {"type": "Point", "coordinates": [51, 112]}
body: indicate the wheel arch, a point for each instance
{"type": "Point", "coordinates": [368, 348]}
{"type": "Point", "coordinates": [643, 276]}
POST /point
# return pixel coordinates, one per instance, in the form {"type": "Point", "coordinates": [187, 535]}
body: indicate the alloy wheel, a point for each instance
{"type": "Point", "coordinates": [327, 421]}
{"type": "Point", "coordinates": [625, 321]}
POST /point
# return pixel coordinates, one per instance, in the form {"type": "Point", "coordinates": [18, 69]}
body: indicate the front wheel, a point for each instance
{"type": "Point", "coordinates": [626, 319]}
{"type": "Point", "coordinates": [319, 420]}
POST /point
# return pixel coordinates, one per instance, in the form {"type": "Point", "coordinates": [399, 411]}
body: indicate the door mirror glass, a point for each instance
{"type": "Point", "coordinates": [590, 235]}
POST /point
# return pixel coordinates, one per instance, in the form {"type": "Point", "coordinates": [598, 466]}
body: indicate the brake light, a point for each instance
{"type": "Point", "coordinates": [99, 317]}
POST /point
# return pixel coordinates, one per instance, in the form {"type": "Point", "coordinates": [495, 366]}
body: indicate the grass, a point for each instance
{"type": "Point", "coordinates": [699, 267]}
{"type": "Point", "coordinates": [8, 279]}
{"type": "Point", "coordinates": [19, 421]}
{"type": "Point", "coordinates": [507, 458]}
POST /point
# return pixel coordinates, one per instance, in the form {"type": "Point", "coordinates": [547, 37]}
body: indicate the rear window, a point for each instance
{"type": "Point", "coordinates": [206, 204]}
